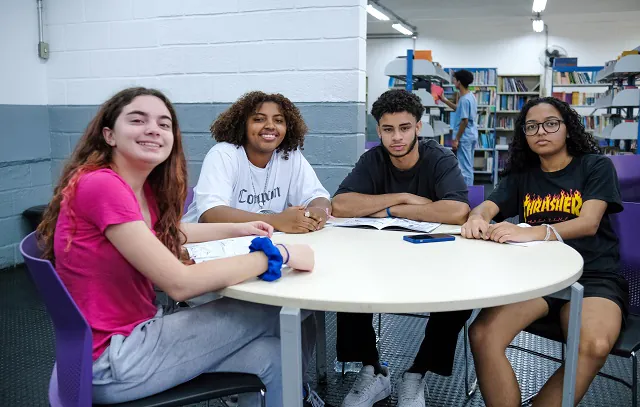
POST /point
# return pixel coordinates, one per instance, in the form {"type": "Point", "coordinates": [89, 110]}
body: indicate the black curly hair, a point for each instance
{"type": "Point", "coordinates": [579, 142]}
{"type": "Point", "coordinates": [231, 125]}
{"type": "Point", "coordinates": [396, 101]}
{"type": "Point", "coordinates": [464, 77]}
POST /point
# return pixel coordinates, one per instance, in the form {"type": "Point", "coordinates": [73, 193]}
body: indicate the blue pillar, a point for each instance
{"type": "Point", "coordinates": [409, 85]}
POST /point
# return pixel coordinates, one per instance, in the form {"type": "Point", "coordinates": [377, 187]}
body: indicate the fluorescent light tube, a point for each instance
{"type": "Point", "coordinates": [539, 5]}
{"type": "Point", "coordinates": [377, 13]}
{"type": "Point", "coordinates": [401, 28]}
{"type": "Point", "coordinates": [538, 26]}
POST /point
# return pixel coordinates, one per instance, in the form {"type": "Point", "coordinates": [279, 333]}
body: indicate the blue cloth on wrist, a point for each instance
{"type": "Point", "coordinates": [264, 244]}
{"type": "Point", "coordinates": [389, 213]}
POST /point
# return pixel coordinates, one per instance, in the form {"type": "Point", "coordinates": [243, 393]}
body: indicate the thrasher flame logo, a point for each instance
{"type": "Point", "coordinates": [565, 202]}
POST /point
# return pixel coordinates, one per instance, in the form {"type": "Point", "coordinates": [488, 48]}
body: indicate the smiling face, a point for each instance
{"type": "Point", "coordinates": [399, 133]}
{"type": "Point", "coordinates": [266, 128]}
{"type": "Point", "coordinates": [551, 137]}
{"type": "Point", "coordinates": [142, 134]}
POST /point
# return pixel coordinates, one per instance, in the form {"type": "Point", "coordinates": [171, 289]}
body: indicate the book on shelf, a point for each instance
{"type": "Point", "coordinates": [386, 224]}
{"type": "Point", "coordinates": [485, 120]}
{"type": "Point", "coordinates": [483, 164]}
{"type": "Point", "coordinates": [577, 98]}
{"type": "Point", "coordinates": [484, 77]}
{"type": "Point", "coordinates": [485, 97]}
{"type": "Point", "coordinates": [506, 122]}
{"type": "Point", "coordinates": [512, 85]}
{"type": "Point", "coordinates": [486, 140]}
{"type": "Point", "coordinates": [513, 102]}
{"type": "Point", "coordinates": [574, 78]}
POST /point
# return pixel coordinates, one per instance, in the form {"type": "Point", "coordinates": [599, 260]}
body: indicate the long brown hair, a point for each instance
{"type": "Point", "coordinates": [168, 180]}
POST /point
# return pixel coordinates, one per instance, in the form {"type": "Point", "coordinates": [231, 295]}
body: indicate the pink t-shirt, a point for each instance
{"type": "Point", "coordinates": [111, 294]}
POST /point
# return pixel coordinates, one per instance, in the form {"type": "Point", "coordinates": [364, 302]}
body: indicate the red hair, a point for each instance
{"type": "Point", "coordinates": [168, 180]}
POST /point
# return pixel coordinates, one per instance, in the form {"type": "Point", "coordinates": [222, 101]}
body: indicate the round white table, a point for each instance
{"type": "Point", "coordinates": [361, 270]}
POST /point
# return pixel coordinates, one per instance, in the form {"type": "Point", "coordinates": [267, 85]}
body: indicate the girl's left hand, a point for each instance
{"type": "Point", "coordinates": [508, 232]}
{"type": "Point", "coordinates": [256, 228]}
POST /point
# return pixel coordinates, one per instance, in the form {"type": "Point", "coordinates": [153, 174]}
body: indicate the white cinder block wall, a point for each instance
{"type": "Point", "coordinates": [203, 54]}
{"type": "Point", "coordinates": [207, 51]}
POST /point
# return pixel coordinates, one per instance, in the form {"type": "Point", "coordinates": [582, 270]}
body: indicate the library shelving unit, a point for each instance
{"type": "Point", "coordinates": [577, 85]}
{"type": "Point", "coordinates": [484, 89]}
{"type": "Point", "coordinates": [409, 73]}
{"type": "Point", "coordinates": [618, 129]}
{"type": "Point", "coordinates": [514, 90]}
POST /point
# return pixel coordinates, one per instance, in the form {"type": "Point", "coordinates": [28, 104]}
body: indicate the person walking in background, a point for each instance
{"type": "Point", "coordinates": [465, 127]}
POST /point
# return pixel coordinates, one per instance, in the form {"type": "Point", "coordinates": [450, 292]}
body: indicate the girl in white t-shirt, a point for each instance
{"type": "Point", "coordinates": [256, 171]}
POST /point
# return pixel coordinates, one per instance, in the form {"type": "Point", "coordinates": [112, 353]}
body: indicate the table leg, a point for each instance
{"type": "Point", "coordinates": [291, 353]}
{"type": "Point", "coordinates": [321, 347]}
{"type": "Point", "coordinates": [573, 341]}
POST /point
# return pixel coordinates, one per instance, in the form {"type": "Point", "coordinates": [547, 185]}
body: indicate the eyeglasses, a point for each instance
{"type": "Point", "coordinates": [550, 126]}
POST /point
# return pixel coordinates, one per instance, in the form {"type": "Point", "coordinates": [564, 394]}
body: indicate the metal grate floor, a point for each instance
{"type": "Point", "coordinates": [27, 356]}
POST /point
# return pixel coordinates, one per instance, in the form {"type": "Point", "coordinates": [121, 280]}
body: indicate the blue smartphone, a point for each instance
{"type": "Point", "coordinates": [428, 238]}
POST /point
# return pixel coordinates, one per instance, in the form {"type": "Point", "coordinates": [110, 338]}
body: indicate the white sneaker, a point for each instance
{"type": "Point", "coordinates": [411, 390]}
{"type": "Point", "coordinates": [369, 388]}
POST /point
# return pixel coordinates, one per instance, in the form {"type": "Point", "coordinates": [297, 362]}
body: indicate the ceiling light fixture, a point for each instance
{"type": "Point", "coordinates": [402, 29]}
{"type": "Point", "coordinates": [539, 6]}
{"type": "Point", "coordinates": [377, 13]}
{"type": "Point", "coordinates": [538, 25]}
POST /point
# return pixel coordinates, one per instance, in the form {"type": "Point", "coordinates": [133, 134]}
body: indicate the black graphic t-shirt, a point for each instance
{"type": "Point", "coordinates": [435, 176]}
{"type": "Point", "coordinates": [539, 197]}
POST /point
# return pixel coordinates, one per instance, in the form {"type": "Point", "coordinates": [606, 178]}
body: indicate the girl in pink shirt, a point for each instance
{"type": "Point", "coordinates": [113, 230]}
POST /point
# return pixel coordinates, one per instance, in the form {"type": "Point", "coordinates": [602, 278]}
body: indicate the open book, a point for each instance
{"type": "Point", "coordinates": [389, 224]}
{"type": "Point", "coordinates": [218, 249]}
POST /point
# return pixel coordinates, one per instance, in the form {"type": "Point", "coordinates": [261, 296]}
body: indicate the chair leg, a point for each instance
{"type": "Point", "coordinates": [469, 389]}
{"type": "Point", "coordinates": [263, 398]}
{"type": "Point", "coordinates": [634, 384]}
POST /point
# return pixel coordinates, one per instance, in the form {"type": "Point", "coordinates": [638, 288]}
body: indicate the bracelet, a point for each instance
{"type": "Point", "coordinates": [286, 250]}
{"type": "Point", "coordinates": [389, 215]}
{"type": "Point", "coordinates": [274, 258]}
{"type": "Point", "coordinates": [555, 232]}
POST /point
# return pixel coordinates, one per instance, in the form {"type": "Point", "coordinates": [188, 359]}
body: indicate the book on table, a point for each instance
{"type": "Point", "coordinates": [388, 224]}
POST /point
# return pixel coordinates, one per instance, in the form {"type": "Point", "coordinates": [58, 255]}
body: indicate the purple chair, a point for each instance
{"type": "Point", "coordinates": [189, 199]}
{"type": "Point", "coordinates": [476, 195]}
{"type": "Point", "coordinates": [626, 224]}
{"type": "Point", "coordinates": [70, 384]}
{"type": "Point", "coordinates": [628, 169]}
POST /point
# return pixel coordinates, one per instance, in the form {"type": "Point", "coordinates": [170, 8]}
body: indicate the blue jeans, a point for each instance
{"type": "Point", "coordinates": [465, 154]}
{"type": "Point", "coordinates": [225, 335]}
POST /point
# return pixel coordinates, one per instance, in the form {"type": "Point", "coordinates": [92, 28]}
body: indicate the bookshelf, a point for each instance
{"type": "Point", "coordinates": [618, 128]}
{"type": "Point", "coordinates": [514, 91]}
{"type": "Point", "coordinates": [415, 75]}
{"type": "Point", "coordinates": [576, 85]}
{"type": "Point", "coordinates": [484, 88]}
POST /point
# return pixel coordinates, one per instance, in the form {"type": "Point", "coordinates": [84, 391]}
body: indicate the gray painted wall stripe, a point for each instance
{"type": "Point", "coordinates": [35, 141]}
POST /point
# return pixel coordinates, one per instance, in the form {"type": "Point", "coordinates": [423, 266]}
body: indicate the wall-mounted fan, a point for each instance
{"type": "Point", "coordinates": [550, 53]}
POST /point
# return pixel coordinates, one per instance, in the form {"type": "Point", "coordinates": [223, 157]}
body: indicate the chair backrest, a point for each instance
{"type": "Point", "coordinates": [628, 169]}
{"type": "Point", "coordinates": [476, 195]}
{"type": "Point", "coordinates": [627, 225]}
{"type": "Point", "coordinates": [189, 199]}
{"type": "Point", "coordinates": [71, 379]}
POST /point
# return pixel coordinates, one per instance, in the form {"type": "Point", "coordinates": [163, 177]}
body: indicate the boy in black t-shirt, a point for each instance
{"type": "Point", "coordinates": [556, 181]}
{"type": "Point", "coordinates": [416, 180]}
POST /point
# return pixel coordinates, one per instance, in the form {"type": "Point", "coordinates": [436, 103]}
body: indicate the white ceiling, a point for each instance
{"type": "Point", "coordinates": [421, 12]}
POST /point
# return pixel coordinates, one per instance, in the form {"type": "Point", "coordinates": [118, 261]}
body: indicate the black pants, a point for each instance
{"type": "Point", "coordinates": [356, 340]}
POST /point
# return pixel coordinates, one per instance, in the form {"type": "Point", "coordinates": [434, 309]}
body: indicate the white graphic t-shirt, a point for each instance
{"type": "Point", "coordinates": [228, 178]}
